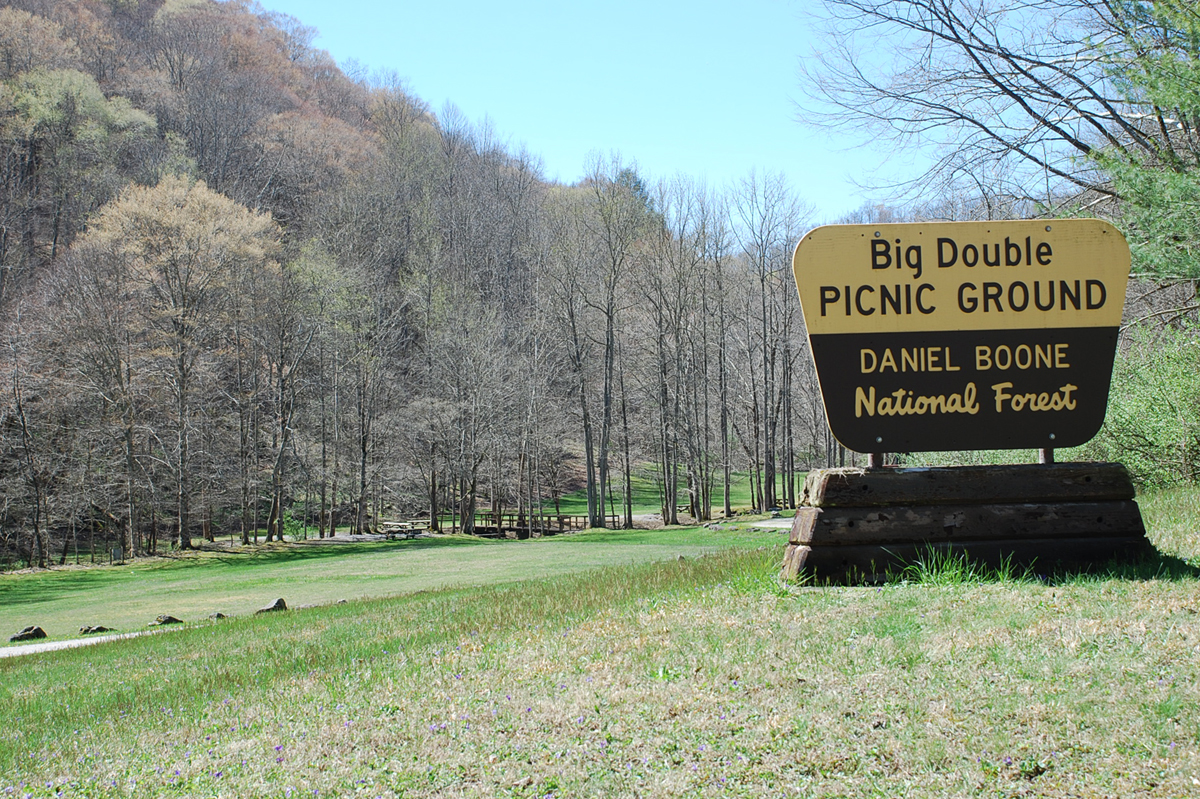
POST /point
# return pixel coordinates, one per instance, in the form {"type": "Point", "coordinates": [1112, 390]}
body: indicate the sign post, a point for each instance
{"type": "Point", "coordinates": [964, 336]}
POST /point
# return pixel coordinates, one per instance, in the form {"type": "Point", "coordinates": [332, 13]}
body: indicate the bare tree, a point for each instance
{"type": "Point", "coordinates": [768, 221]}
{"type": "Point", "coordinates": [1011, 95]}
{"type": "Point", "coordinates": [616, 215]}
{"type": "Point", "coordinates": [181, 246]}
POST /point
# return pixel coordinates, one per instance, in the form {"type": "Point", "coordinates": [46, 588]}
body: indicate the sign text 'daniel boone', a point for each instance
{"type": "Point", "coordinates": [963, 335]}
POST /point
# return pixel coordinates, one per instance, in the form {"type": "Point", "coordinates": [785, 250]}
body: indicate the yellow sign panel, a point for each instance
{"type": "Point", "coordinates": [963, 335]}
{"type": "Point", "coordinates": [1012, 275]}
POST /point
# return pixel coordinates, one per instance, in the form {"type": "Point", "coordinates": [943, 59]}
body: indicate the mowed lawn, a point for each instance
{"type": "Point", "coordinates": [238, 582]}
{"type": "Point", "coordinates": [694, 677]}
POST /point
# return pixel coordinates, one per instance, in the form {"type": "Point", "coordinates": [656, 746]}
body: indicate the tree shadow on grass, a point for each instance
{"type": "Point", "coordinates": [1156, 566]}
{"type": "Point", "coordinates": [603, 536]}
{"type": "Point", "coordinates": [298, 552]}
{"type": "Point", "coordinates": [948, 566]}
{"type": "Point", "coordinates": [50, 585]}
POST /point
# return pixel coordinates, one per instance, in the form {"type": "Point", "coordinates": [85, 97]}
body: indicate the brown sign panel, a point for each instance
{"type": "Point", "coordinates": [967, 335]}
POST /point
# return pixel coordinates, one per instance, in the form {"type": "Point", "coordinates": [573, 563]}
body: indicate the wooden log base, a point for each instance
{"type": "Point", "coordinates": [872, 564]}
{"type": "Point", "coordinates": [823, 527]}
{"type": "Point", "coordinates": [971, 485]}
{"type": "Point", "coordinates": [864, 524]}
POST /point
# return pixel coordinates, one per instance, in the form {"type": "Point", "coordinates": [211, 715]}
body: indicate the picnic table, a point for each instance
{"type": "Point", "coordinates": [404, 529]}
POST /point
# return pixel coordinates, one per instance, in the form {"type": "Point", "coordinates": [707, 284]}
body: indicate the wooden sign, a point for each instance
{"type": "Point", "coordinates": [963, 335]}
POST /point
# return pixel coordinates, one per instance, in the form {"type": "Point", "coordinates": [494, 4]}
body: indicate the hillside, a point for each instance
{"type": "Point", "coordinates": [244, 290]}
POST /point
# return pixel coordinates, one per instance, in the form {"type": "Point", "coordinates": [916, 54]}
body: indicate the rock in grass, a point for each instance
{"type": "Point", "coordinates": [29, 634]}
{"type": "Point", "coordinates": [164, 619]}
{"type": "Point", "coordinates": [278, 604]}
{"type": "Point", "coordinates": [218, 616]}
{"type": "Point", "coordinates": [95, 628]}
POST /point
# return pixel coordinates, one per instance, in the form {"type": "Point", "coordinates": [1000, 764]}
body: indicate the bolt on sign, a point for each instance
{"type": "Point", "coordinates": [963, 335]}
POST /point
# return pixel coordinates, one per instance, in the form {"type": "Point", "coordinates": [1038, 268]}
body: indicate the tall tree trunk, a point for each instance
{"type": "Point", "coordinates": [129, 531]}
{"type": "Point", "coordinates": [723, 387]}
{"type": "Point", "coordinates": [39, 543]}
{"type": "Point", "coordinates": [364, 437]}
{"type": "Point", "coordinates": [594, 502]}
{"type": "Point", "coordinates": [337, 446]}
{"type": "Point", "coordinates": [628, 467]}
{"type": "Point", "coordinates": [434, 511]}
{"type": "Point", "coordinates": [183, 507]}
{"type": "Point", "coordinates": [324, 496]}
{"type": "Point", "coordinates": [610, 350]}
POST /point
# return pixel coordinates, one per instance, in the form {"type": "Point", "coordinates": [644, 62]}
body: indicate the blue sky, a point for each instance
{"type": "Point", "coordinates": [707, 89]}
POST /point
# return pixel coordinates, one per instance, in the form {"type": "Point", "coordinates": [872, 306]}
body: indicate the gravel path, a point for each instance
{"type": "Point", "coordinates": [781, 524]}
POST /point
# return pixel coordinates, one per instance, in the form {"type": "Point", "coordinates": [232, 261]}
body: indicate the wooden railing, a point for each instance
{"type": "Point", "coordinates": [489, 524]}
{"type": "Point", "coordinates": [492, 524]}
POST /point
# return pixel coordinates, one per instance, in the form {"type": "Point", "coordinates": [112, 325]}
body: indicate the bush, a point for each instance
{"type": "Point", "coordinates": [1153, 421]}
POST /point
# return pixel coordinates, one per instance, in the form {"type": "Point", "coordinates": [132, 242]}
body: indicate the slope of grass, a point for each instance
{"type": "Point", "coordinates": [238, 582]}
{"type": "Point", "coordinates": [1173, 515]}
{"type": "Point", "coordinates": [700, 677]}
{"type": "Point", "coordinates": [645, 497]}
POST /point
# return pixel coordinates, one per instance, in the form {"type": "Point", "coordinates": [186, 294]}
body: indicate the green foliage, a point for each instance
{"type": "Point", "coordinates": [1159, 181]}
{"type": "Point", "coordinates": [293, 528]}
{"type": "Point", "coordinates": [1153, 421]}
{"type": "Point", "coordinates": [172, 161]}
{"type": "Point", "coordinates": [1160, 217]}
{"type": "Point", "coordinates": [69, 149]}
{"type": "Point", "coordinates": [1165, 74]}
{"type": "Point", "coordinates": [45, 99]}
{"type": "Point", "coordinates": [977, 457]}
{"type": "Point", "coordinates": [65, 112]}
{"type": "Point", "coordinates": [1171, 514]}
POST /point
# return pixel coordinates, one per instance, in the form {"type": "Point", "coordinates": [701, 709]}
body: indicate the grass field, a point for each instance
{"type": "Point", "coordinates": [700, 677]}
{"type": "Point", "coordinates": [238, 582]}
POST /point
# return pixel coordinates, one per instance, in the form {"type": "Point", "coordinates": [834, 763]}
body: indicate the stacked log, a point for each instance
{"type": "Point", "coordinates": [859, 524]}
